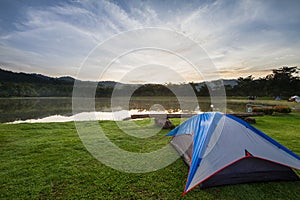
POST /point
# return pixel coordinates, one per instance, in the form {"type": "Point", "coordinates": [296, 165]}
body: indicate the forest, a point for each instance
{"type": "Point", "coordinates": [283, 82]}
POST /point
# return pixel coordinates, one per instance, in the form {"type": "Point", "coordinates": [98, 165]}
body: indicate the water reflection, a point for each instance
{"type": "Point", "coordinates": [91, 116]}
{"type": "Point", "coordinates": [31, 108]}
{"type": "Point", "coordinates": [60, 109]}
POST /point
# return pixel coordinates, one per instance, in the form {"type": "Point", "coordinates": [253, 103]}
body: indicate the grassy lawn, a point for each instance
{"type": "Point", "coordinates": [48, 161]}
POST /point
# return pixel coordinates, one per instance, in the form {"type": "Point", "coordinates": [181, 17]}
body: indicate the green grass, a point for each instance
{"type": "Point", "coordinates": [48, 161]}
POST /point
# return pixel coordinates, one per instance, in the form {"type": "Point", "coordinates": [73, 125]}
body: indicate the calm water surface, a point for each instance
{"type": "Point", "coordinates": [60, 109]}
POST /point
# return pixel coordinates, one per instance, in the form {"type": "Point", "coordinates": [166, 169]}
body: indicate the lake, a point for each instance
{"type": "Point", "coordinates": [60, 109]}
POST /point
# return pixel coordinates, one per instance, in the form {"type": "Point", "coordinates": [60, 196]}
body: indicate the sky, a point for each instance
{"type": "Point", "coordinates": [241, 38]}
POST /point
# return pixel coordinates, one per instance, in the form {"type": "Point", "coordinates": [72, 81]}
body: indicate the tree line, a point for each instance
{"type": "Point", "coordinates": [282, 82]}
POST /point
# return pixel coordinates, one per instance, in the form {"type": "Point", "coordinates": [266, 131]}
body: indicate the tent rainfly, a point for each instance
{"type": "Point", "coordinates": [295, 98]}
{"type": "Point", "coordinates": [222, 149]}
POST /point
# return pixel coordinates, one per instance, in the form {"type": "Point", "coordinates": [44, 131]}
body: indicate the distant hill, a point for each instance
{"type": "Point", "coordinates": [66, 79]}
{"type": "Point", "coordinates": [20, 77]}
{"type": "Point", "coordinates": [284, 82]}
{"type": "Point", "coordinates": [230, 82]}
{"type": "Point", "coordinates": [20, 84]}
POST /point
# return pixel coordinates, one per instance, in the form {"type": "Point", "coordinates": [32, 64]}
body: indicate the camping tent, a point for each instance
{"type": "Point", "coordinates": [222, 149]}
{"type": "Point", "coordinates": [295, 98]}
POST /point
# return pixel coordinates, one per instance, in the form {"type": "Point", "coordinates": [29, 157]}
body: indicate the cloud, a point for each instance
{"type": "Point", "coordinates": [241, 37]}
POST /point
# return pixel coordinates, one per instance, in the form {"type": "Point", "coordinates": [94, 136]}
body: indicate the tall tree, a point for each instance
{"type": "Point", "coordinates": [283, 81]}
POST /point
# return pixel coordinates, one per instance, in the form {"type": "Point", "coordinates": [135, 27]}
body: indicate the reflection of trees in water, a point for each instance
{"type": "Point", "coordinates": [236, 107]}
{"type": "Point", "coordinates": [171, 104]}
{"type": "Point", "coordinates": [34, 108]}
{"type": "Point", "coordinates": [146, 105]}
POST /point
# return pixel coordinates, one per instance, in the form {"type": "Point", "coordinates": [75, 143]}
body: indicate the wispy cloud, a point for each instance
{"type": "Point", "coordinates": [241, 37]}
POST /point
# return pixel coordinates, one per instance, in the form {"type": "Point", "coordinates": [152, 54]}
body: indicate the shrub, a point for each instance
{"type": "Point", "coordinates": [266, 110]}
{"type": "Point", "coordinates": [282, 109]}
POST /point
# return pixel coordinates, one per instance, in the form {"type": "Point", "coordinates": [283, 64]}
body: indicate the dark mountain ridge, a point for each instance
{"type": "Point", "coordinates": [14, 84]}
{"type": "Point", "coordinates": [282, 82]}
{"type": "Point", "coordinates": [21, 77]}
